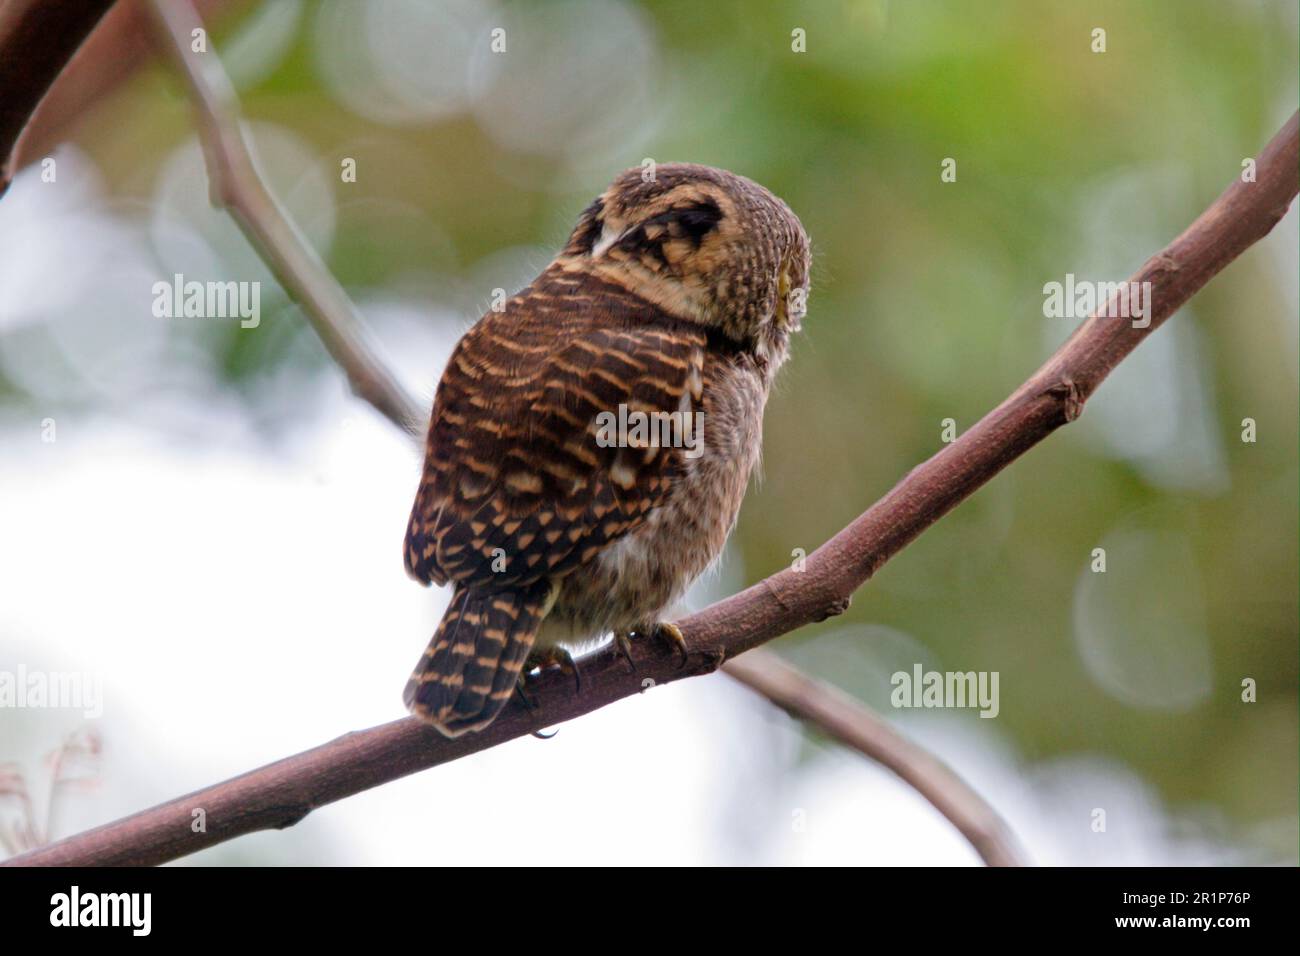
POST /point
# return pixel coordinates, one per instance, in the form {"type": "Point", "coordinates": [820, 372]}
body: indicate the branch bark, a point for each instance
{"type": "Point", "coordinates": [37, 40]}
{"type": "Point", "coordinates": [282, 793]}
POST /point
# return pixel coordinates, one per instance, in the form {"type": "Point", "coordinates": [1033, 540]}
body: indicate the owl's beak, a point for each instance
{"type": "Point", "coordinates": [790, 305]}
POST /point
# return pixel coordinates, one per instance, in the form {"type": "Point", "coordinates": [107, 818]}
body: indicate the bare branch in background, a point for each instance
{"type": "Point", "coordinates": [237, 188]}
{"type": "Point", "coordinates": [847, 721]}
{"type": "Point", "coordinates": [37, 40]}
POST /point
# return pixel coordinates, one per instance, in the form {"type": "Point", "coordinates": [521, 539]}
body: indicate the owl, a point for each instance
{"type": "Point", "coordinates": [590, 442]}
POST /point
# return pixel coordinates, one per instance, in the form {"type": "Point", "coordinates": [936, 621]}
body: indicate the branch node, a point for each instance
{"type": "Point", "coordinates": [1071, 399]}
{"type": "Point", "coordinates": [770, 584]}
{"type": "Point", "coordinates": [1165, 262]}
{"type": "Point", "coordinates": [835, 608]}
{"type": "Point", "coordinates": [293, 816]}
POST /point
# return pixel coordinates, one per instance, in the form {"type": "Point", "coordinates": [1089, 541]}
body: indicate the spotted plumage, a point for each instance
{"type": "Point", "coordinates": [675, 295]}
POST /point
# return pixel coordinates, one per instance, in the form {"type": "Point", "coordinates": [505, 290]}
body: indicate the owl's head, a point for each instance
{"type": "Point", "coordinates": [703, 244]}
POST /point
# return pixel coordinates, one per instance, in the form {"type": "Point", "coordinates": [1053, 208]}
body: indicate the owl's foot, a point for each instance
{"type": "Point", "coordinates": [553, 656]}
{"type": "Point", "coordinates": [671, 634]}
{"type": "Point", "coordinates": [521, 691]}
{"type": "Point", "coordinates": [664, 631]}
{"type": "Point", "coordinates": [623, 644]}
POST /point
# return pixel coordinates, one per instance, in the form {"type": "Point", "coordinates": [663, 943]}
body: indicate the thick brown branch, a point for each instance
{"type": "Point", "coordinates": [282, 793]}
{"type": "Point", "coordinates": [37, 40]}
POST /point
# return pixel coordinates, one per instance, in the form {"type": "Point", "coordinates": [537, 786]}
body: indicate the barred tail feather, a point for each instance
{"type": "Point", "coordinates": [469, 669]}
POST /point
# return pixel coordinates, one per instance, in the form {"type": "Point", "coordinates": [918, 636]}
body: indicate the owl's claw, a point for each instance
{"type": "Point", "coordinates": [664, 631]}
{"type": "Point", "coordinates": [671, 634]}
{"type": "Point", "coordinates": [623, 643]}
{"type": "Point", "coordinates": [556, 656]}
{"type": "Point", "coordinates": [521, 691]}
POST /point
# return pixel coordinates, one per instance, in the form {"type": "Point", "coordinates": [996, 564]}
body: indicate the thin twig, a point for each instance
{"type": "Point", "coordinates": [855, 726]}
{"type": "Point", "coordinates": [236, 186]}
{"type": "Point", "coordinates": [217, 108]}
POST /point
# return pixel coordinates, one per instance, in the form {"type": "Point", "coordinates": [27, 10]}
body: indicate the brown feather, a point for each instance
{"type": "Point", "coordinates": [554, 359]}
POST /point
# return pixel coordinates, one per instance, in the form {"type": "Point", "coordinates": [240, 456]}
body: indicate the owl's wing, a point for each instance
{"type": "Point", "coordinates": [516, 485]}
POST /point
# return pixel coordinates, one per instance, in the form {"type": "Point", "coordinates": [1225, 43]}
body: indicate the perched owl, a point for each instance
{"type": "Point", "coordinates": [590, 443]}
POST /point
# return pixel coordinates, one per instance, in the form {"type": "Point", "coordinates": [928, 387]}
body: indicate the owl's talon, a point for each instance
{"type": "Point", "coordinates": [623, 644]}
{"type": "Point", "coordinates": [672, 635]}
{"type": "Point", "coordinates": [569, 664]}
{"type": "Point", "coordinates": [560, 657]}
{"type": "Point", "coordinates": [521, 691]}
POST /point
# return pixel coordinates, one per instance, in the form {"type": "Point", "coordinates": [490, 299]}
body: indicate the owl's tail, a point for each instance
{"type": "Point", "coordinates": [469, 669]}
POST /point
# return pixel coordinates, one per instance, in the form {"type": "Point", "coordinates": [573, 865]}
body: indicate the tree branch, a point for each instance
{"type": "Point", "coordinates": [282, 793]}
{"type": "Point", "coordinates": [858, 728]}
{"type": "Point", "coordinates": [37, 40]}
{"type": "Point", "coordinates": [236, 187]}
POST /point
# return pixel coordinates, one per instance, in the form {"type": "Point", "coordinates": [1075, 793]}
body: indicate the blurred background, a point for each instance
{"type": "Point", "coordinates": [202, 519]}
